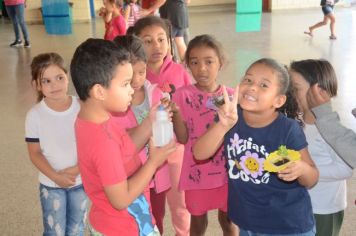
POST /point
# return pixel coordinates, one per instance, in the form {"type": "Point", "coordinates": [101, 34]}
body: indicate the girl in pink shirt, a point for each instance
{"type": "Point", "coordinates": [114, 21]}
{"type": "Point", "coordinates": [169, 76]}
{"type": "Point", "coordinates": [138, 121]}
{"type": "Point", "coordinates": [194, 109]}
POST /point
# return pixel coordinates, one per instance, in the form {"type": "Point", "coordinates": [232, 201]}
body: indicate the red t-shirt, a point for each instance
{"type": "Point", "coordinates": [107, 156]}
{"type": "Point", "coordinates": [116, 27]}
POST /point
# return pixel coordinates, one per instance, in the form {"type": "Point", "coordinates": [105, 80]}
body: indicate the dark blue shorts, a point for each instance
{"type": "Point", "coordinates": [327, 9]}
{"type": "Point", "coordinates": [177, 32]}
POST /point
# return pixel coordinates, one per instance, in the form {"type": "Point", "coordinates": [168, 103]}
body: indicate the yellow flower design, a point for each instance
{"type": "Point", "coordinates": [279, 159]}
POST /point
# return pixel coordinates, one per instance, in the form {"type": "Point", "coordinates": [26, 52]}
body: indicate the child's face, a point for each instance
{"type": "Point", "coordinates": [139, 75]}
{"type": "Point", "coordinates": [259, 90]}
{"type": "Point", "coordinates": [155, 42]}
{"type": "Point", "coordinates": [301, 87]}
{"type": "Point", "coordinates": [204, 64]}
{"type": "Point", "coordinates": [53, 83]}
{"type": "Point", "coordinates": [108, 6]}
{"type": "Point", "coordinates": [118, 96]}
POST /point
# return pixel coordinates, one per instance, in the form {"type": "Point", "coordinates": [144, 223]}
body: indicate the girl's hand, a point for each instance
{"type": "Point", "coordinates": [293, 171]}
{"type": "Point", "coordinates": [102, 11]}
{"type": "Point", "coordinates": [158, 155]}
{"type": "Point", "coordinates": [228, 112]}
{"type": "Point", "coordinates": [65, 180]}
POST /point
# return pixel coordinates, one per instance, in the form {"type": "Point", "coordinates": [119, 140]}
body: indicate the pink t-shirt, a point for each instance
{"type": "Point", "coordinates": [161, 181]}
{"type": "Point", "coordinates": [107, 156]}
{"type": "Point", "coordinates": [116, 27]}
{"type": "Point", "coordinates": [13, 2]}
{"type": "Point", "coordinates": [195, 107]}
{"type": "Point", "coordinates": [171, 76]}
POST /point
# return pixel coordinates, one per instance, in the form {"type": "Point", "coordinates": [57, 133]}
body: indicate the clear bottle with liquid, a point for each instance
{"type": "Point", "coordinates": [162, 128]}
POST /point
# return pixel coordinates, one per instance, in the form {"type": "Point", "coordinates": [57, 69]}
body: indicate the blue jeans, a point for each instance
{"type": "Point", "coordinates": [17, 16]}
{"type": "Point", "coordinates": [249, 233]}
{"type": "Point", "coordinates": [63, 210]}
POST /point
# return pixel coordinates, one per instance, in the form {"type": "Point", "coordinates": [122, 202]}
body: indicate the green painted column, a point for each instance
{"type": "Point", "coordinates": [248, 15]}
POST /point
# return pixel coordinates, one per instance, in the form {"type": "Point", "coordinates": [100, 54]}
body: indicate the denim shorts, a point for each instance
{"type": "Point", "coordinates": [327, 9]}
{"type": "Point", "coordinates": [249, 233]}
{"type": "Point", "coordinates": [63, 210]}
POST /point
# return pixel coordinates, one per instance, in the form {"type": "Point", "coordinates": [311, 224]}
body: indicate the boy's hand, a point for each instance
{"type": "Point", "coordinates": [228, 112]}
{"type": "Point", "coordinates": [158, 155]}
{"type": "Point", "coordinates": [64, 180]}
{"type": "Point", "coordinates": [293, 171]}
{"type": "Point", "coordinates": [317, 96]}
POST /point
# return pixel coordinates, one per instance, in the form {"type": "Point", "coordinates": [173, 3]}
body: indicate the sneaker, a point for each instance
{"type": "Point", "coordinates": [16, 43]}
{"type": "Point", "coordinates": [27, 44]}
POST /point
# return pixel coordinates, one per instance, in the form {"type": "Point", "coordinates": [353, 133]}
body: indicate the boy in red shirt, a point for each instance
{"type": "Point", "coordinates": [113, 176]}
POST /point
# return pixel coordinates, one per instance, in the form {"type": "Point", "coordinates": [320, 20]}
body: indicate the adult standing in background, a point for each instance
{"type": "Point", "coordinates": [177, 13]}
{"type": "Point", "coordinates": [16, 11]}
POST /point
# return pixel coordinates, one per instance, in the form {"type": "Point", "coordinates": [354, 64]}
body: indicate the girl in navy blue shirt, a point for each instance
{"type": "Point", "coordinates": [262, 202]}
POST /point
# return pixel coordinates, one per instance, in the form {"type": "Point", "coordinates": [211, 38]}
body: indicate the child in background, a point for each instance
{"type": "Point", "coordinates": [138, 119]}
{"type": "Point", "coordinates": [328, 196]}
{"type": "Point", "coordinates": [339, 137]}
{"type": "Point", "coordinates": [204, 183]}
{"type": "Point", "coordinates": [327, 6]}
{"type": "Point", "coordinates": [51, 146]}
{"type": "Point", "coordinates": [169, 76]}
{"type": "Point", "coordinates": [131, 12]}
{"type": "Point", "coordinates": [113, 175]}
{"type": "Point", "coordinates": [259, 201]}
{"type": "Point", "coordinates": [114, 22]}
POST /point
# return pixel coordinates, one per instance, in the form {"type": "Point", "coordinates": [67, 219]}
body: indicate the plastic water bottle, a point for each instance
{"type": "Point", "coordinates": [162, 128]}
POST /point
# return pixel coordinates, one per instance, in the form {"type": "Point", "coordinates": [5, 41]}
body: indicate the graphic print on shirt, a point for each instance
{"type": "Point", "coordinates": [245, 160]}
{"type": "Point", "coordinates": [196, 102]}
{"type": "Point", "coordinates": [140, 210]}
{"type": "Point", "coordinates": [195, 175]}
{"type": "Point", "coordinates": [168, 88]}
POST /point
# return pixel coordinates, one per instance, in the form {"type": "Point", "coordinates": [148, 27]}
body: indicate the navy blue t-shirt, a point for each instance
{"type": "Point", "coordinates": [258, 200]}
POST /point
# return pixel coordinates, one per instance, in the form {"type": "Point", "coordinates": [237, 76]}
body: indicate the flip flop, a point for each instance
{"type": "Point", "coordinates": [308, 33]}
{"type": "Point", "coordinates": [332, 37]}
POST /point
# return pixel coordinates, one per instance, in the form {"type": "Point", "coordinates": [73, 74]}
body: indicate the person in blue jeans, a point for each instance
{"type": "Point", "coordinates": [16, 11]}
{"type": "Point", "coordinates": [327, 6]}
{"type": "Point", "coordinates": [52, 149]}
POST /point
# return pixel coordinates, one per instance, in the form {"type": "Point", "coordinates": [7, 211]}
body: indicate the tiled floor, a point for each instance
{"type": "Point", "coordinates": [281, 37]}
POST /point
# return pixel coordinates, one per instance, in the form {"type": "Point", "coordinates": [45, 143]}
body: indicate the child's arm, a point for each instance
{"type": "Point", "coordinates": [336, 170]}
{"type": "Point", "coordinates": [63, 180]}
{"type": "Point", "coordinates": [304, 170]}
{"type": "Point", "coordinates": [105, 14]}
{"type": "Point", "coordinates": [153, 8]}
{"type": "Point", "coordinates": [179, 126]}
{"type": "Point", "coordinates": [127, 11]}
{"type": "Point", "coordinates": [340, 138]}
{"type": "Point", "coordinates": [121, 195]}
{"type": "Point", "coordinates": [141, 133]}
{"type": "Point", "coordinates": [209, 143]}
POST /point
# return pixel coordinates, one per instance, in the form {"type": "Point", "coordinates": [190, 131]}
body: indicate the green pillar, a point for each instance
{"type": "Point", "coordinates": [248, 15]}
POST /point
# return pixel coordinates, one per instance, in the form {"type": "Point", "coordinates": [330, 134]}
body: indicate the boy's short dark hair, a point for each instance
{"type": "Point", "coordinates": [95, 62]}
